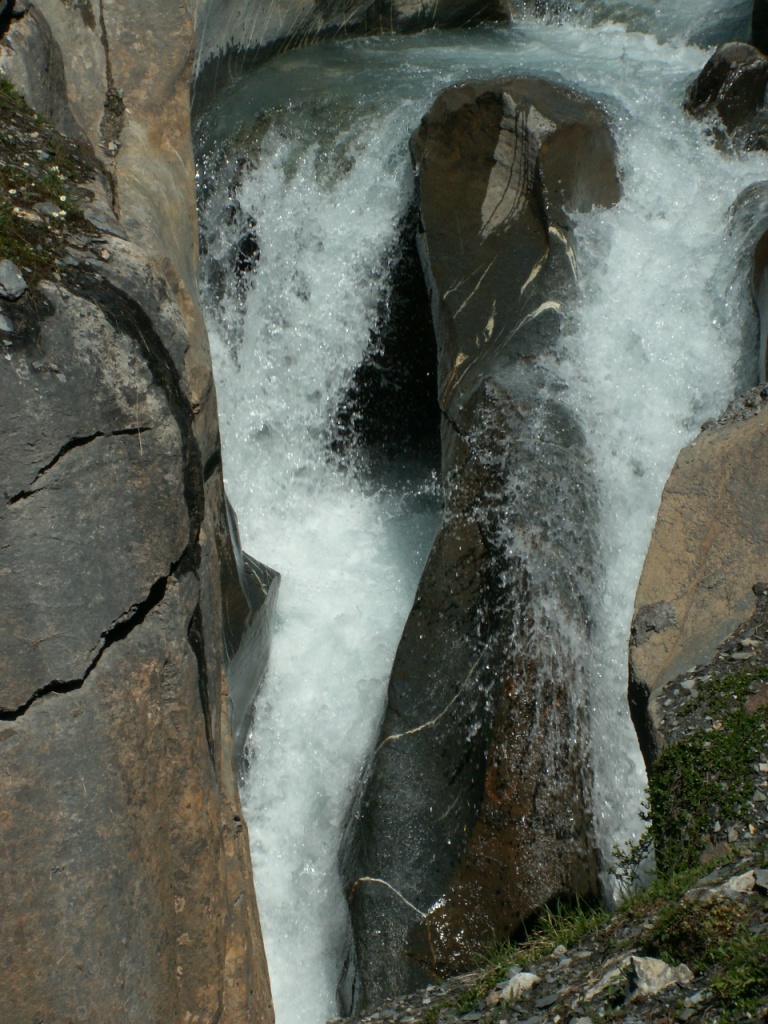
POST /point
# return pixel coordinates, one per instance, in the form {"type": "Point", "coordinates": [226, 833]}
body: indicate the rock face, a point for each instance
{"type": "Point", "coordinates": [475, 812]}
{"type": "Point", "coordinates": [708, 552]}
{"type": "Point", "coordinates": [127, 884]}
{"type": "Point", "coordinates": [730, 92]}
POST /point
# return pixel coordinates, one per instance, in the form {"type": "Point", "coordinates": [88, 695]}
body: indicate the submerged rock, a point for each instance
{"type": "Point", "coordinates": [476, 808]}
{"type": "Point", "coordinates": [227, 26]}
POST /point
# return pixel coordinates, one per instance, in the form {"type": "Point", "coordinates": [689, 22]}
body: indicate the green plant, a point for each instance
{"type": "Point", "coordinates": [742, 976]}
{"type": "Point", "coordinates": [716, 936]}
{"type": "Point", "coordinates": [562, 924]}
{"type": "Point", "coordinates": [37, 165]}
{"type": "Point", "coordinates": [720, 694]}
{"type": "Point", "coordinates": [632, 863]}
{"type": "Point", "coordinates": [703, 778]}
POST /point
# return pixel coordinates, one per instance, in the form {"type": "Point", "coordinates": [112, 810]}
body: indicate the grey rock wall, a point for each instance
{"type": "Point", "coordinates": [127, 889]}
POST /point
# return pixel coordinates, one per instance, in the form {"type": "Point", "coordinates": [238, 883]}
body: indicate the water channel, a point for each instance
{"type": "Point", "coordinates": [309, 153]}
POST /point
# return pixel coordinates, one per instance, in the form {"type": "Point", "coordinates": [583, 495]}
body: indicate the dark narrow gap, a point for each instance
{"type": "Point", "coordinates": [117, 632]}
{"type": "Point", "coordinates": [390, 411]}
{"type": "Point", "coordinates": [196, 638]}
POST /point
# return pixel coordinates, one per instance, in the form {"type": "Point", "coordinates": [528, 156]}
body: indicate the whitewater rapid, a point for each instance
{"type": "Point", "coordinates": [654, 346]}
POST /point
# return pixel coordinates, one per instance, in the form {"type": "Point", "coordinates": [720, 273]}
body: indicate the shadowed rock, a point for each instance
{"type": "Point", "coordinates": [760, 25]}
{"type": "Point", "coordinates": [476, 810]}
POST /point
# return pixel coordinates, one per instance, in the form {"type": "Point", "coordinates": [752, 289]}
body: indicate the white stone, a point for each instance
{"type": "Point", "coordinates": [738, 886]}
{"type": "Point", "coordinates": [649, 976]}
{"type": "Point", "coordinates": [609, 978]}
{"type": "Point", "coordinates": [519, 985]}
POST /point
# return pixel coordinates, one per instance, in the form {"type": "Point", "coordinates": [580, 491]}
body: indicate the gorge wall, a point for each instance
{"type": "Point", "coordinates": [127, 883]}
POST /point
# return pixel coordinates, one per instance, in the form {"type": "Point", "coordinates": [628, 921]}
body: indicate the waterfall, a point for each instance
{"type": "Point", "coordinates": [307, 157]}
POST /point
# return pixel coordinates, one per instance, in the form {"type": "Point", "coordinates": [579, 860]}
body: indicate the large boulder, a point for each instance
{"type": "Point", "coordinates": [476, 812]}
{"type": "Point", "coordinates": [128, 892]}
{"type": "Point", "coordinates": [708, 553]}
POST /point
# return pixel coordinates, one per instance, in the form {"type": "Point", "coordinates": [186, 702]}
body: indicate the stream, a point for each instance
{"type": "Point", "coordinates": [308, 156]}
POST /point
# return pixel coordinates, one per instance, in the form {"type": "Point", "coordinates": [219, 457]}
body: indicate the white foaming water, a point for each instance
{"type": "Point", "coordinates": [650, 353]}
{"type": "Point", "coordinates": [350, 557]}
{"type": "Point", "coordinates": [703, 22]}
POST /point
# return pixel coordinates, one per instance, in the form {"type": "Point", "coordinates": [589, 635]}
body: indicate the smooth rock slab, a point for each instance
{"type": "Point", "coordinates": [708, 550]}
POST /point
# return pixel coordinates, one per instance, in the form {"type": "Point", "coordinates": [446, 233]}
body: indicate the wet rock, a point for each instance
{"type": "Point", "coordinates": [707, 551]}
{"type": "Point", "coordinates": [730, 91]}
{"type": "Point", "coordinates": [247, 254]}
{"type": "Point", "coordinates": [12, 283]}
{"type": "Point", "coordinates": [464, 810]}
{"type": "Point", "coordinates": [249, 594]}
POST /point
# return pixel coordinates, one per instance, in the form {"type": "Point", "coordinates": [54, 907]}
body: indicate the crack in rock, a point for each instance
{"type": "Point", "coordinates": [118, 631]}
{"type": "Point", "coordinates": [74, 442]}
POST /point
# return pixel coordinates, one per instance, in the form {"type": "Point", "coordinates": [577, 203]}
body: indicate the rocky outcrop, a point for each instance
{"type": "Point", "coordinates": [708, 553]}
{"type": "Point", "coordinates": [730, 94]}
{"type": "Point", "coordinates": [475, 812]}
{"type": "Point", "coordinates": [128, 892]}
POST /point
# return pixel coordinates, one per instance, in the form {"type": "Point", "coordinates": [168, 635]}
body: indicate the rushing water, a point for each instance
{"type": "Point", "coordinates": [654, 348]}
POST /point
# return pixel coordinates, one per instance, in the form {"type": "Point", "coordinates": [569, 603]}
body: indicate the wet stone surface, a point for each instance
{"type": "Point", "coordinates": [602, 976]}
